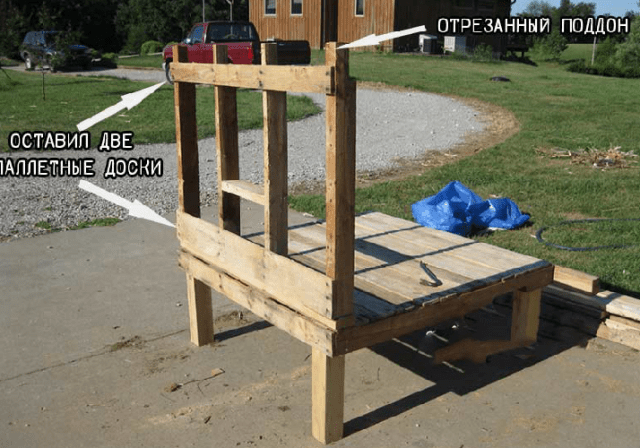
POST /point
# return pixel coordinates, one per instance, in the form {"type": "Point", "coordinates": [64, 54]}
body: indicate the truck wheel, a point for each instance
{"type": "Point", "coordinates": [28, 63]}
{"type": "Point", "coordinates": [167, 71]}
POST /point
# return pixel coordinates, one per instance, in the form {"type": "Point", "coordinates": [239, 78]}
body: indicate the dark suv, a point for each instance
{"type": "Point", "coordinates": [39, 47]}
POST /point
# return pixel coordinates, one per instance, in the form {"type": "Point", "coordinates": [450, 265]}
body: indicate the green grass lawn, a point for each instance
{"type": "Point", "coordinates": [556, 109]}
{"type": "Point", "coordinates": [70, 100]}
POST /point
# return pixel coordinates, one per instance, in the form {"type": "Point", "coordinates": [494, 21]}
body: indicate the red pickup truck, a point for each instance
{"type": "Point", "coordinates": [242, 41]}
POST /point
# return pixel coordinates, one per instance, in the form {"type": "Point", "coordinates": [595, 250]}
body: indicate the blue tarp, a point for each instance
{"type": "Point", "coordinates": [458, 209]}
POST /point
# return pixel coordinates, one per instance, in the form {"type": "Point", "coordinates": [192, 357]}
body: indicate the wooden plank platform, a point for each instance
{"type": "Point", "coordinates": [389, 299]}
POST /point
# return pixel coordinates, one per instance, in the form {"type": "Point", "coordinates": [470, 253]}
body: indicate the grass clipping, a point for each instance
{"type": "Point", "coordinates": [602, 159]}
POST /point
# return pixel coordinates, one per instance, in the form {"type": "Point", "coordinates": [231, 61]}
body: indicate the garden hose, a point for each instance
{"type": "Point", "coordinates": [583, 249]}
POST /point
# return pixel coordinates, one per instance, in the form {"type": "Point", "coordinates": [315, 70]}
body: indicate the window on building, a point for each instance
{"type": "Point", "coordinates": [359, 7]}
{"type": "Point", "coordinates": [296, 7]}
{"type": "Point", "coordinates": [270, 7]}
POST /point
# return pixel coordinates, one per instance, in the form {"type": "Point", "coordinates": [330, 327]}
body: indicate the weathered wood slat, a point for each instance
{"type": "Point", "coordinates": [397, 283]}
{"type": "Point", "coordinates": [607, 301]}
{"type": "Point", "coordinates": [371, 308]}
{"type": "Point", "coordinates": [432, 242]}
{"type": "Point", "coordinates": [576, 279]}
{"type": "Point", "coordinates": [619, 332]}
{"type": "Point", "coordinates": [340, 152]}
{"type": "Point", "coordinates": [597, 311]}
{"type": "Point", "coordinates": [226, 120]}
{"type": "Point", "coordinates": [274, 109]}
{"type": "Point", "coordinates": [327, 396]}
{"type": "Point", "coordinates": [244, 189]}
{"type": "Point", "coordinates": [283, 317]}
{"type": "Point", "coordinates": [620, 305]}
{"type": "Point", "coordinates": [200, 311]}
{"type": "Point", "coordinates": [460, 259]}
{"type": "Point", "coordinates": [187, 144]}
{"type": "Point", "coordinates": [287, 281]}
{"type": "Point", "coordinates": [525, 316]}
{"type": "Point", "coordinates": [367, 306]}
{"type": "Point", "coordinates": [280, 78]}
{"type": "Point", "coordinates": [198, 294]}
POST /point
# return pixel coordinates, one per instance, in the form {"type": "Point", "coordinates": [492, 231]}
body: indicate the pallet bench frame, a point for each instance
{"type": "Point", "coordinates": [314, 305]}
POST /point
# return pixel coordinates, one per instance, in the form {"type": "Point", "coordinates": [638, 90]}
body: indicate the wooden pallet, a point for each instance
{"type": "Point", "coordinates": [340, 285]}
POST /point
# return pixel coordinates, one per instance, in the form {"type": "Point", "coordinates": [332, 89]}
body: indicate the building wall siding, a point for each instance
{"type": "Point", "coordinates": [378, 18]}
{"type": "Point", "coordinates": [320, 18]}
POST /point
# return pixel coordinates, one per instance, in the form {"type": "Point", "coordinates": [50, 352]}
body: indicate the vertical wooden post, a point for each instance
{"type": "Point", "coordinates": [198, 294]}
{"type": "Point", "coordinates": [327, 396]}
{"type": "Point", "coordinates": [525, 316]}
{"type": "Point", "coordinates": [187, 141]}
{"type": "Point", "coordinates": [274, 109]}
{"type": "Point", "coordinates": [328, 372]}
{"type": "Point", "coordinates": [226, 148]}
{"type": "Point", "coordinates": [200, 311]}
{"type": "Point", "coordinates": [340, 181]}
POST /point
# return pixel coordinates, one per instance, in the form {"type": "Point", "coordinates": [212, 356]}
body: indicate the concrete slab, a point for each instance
{"type": "Point", "coordinates": [93, 342]}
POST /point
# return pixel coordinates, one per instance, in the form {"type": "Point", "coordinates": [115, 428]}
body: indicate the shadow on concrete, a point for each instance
{"type": "Point", "coordinates": [232, 333]}
{"type": "Point", "coordinates": [414, 353]}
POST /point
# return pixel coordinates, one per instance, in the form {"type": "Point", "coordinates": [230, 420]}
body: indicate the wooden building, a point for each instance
{"type": "Point", "coordinates": [321, 21]}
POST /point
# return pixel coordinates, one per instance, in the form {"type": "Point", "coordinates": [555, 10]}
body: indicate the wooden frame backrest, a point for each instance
{"type": "Point", "coordinates": [326, 298]}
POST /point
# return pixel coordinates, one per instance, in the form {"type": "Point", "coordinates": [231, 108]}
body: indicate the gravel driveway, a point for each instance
{"type": "Point", "coordinates": [390, 126]}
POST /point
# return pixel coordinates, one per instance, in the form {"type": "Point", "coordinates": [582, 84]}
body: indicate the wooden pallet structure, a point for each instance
{"type": "Point", "coordinates": [339, 285]}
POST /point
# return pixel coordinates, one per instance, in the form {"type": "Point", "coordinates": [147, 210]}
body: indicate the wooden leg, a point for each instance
{"type": "Point", "coordinates": [200, 312]}
{"type": "Point", "coordinates": [327, 396]}
{"type": "Point", "coordinates": [525, 317]}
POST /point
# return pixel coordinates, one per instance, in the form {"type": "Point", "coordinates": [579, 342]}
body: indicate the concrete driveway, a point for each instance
{"type": "Point", "coordinates": [96, 352]}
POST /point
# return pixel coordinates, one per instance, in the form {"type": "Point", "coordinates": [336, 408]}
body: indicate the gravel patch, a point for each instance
{"type": "Point", "coordinates": [391, 126]}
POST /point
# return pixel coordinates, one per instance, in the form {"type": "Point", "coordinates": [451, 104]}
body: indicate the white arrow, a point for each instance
{"type": "Point", "coordinates": [372, 39]}
{"type": "Point", "coordinates": [136, 208]}
{"type": "Point", "coordinates": [129, 101]}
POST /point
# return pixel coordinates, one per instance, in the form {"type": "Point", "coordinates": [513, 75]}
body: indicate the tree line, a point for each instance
{"type": "Point", "coordinates": [110, 25]}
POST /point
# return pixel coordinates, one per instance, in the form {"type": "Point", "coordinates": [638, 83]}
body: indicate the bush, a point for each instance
{"type": "Point", "coordinates": [628, 53]}
{"type": "Point", "coordinates": [605, 50]}
{"type": "Point", "coordinates": [619, 59]}
{"type": "Point", "coordinates": [605, 68]}
{"type": "Point", "coordinates": [151, 46]}
{"type": "Point", "coordinates": [550, 47]}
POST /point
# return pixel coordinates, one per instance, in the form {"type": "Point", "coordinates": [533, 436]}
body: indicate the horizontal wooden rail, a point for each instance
{"type": "Point", "coordinates": [301, 327]}
{"type": "Point", "coordinates": [244, 189]}
{"type": "Point", "coordinates": [289, 282]}
{"type": "Point", "coordinates": [280, 78]}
